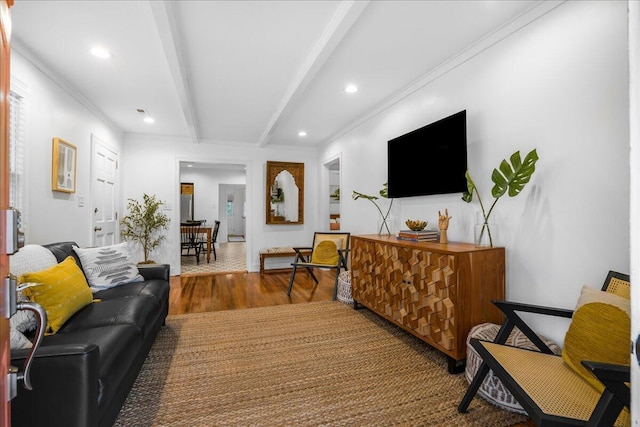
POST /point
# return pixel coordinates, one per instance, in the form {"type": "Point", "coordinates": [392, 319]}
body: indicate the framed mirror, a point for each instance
{"type": "Point", "coordinates": [285, 193]}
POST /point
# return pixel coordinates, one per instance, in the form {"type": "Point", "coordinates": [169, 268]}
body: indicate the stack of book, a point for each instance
{"type": "Point", "coordinates": [418, 236]}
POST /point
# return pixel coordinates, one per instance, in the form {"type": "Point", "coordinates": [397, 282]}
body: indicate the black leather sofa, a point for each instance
{"type": "Point", "coordinates": [82, 375]}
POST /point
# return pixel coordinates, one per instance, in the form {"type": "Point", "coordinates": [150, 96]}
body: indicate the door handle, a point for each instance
{"type": "Point", "coordinates": [41, 316]}
{"type": "Point", "coordinates": [96, 228]}
{"type": "Point", "coordinates": [12, 306]}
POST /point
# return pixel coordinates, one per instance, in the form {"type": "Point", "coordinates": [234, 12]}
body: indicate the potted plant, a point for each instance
{"type": "Point", "coordinates": [384, 216]}
{"type": "Point", "coordinates": [512, 176]}
{"type": "Point", "coordinates": [144, 224]}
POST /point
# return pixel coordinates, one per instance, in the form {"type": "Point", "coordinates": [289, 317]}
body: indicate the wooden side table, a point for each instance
{"type": "Point", "coordinates": [280, 252]}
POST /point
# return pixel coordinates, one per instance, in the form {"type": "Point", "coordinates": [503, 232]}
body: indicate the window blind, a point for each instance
{"type": "Point", "coordinates": [16, 152]}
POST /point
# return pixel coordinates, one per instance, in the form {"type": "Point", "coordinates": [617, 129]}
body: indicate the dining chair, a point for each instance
{"type": "Point", "coordinates": [190, 233]}
{"type": "Point", "coordinates": [214, 239]}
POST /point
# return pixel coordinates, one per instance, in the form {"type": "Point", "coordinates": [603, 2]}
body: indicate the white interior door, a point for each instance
{"type": "Point", "coordinates": [104, 167]}
{"type": "Point", "coordinates": [235, 211]}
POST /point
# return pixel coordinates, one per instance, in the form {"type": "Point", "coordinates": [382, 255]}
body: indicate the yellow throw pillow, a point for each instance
{"type": "Point", "coordinates": [325, 253]}
{"type": "Point", "coordinates": [63, 291]}
{"type": "Point", "coordinates": [600, 331]}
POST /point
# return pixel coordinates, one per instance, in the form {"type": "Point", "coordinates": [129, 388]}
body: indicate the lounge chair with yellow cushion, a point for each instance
{"type": "Point", "coordinates": [589, 384]}
{"type": "Point", "coordinates": [328, 251]}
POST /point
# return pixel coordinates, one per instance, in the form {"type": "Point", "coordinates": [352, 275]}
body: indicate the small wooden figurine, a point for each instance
{"type": "Point", "coordinates": [443, 224]}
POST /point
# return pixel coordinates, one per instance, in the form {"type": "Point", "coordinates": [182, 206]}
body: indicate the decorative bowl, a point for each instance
{"type": "Point", "coordinates": [416, 225]}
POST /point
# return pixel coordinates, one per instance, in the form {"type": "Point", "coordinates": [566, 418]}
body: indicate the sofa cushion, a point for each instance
{"type": "Point", "coordinates": [599, 332]}
{"type": "Point", "coordinates": [61, 250]}
{"type": "Point", "coordinates": [63, 291]}
{"type": "Point", "coordinates": [29, 258]}
{"type": "Point", "coordinates": [141, 312]}
{"type": "Point", "coordinates": [156, 289]}
{"type": "Point", "coordinates": [108, 266]}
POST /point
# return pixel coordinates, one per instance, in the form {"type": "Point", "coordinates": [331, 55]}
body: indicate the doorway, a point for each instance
{"type": "Point", "coordinates": [104, 182]}
{"type": "Point", "coordinates": [212, 184]}
{"type": "Point", "coordinates": [235, 197]}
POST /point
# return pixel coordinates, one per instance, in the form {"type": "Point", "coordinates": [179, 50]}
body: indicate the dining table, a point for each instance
{"type": "Point", "coordinates": [204, 229]}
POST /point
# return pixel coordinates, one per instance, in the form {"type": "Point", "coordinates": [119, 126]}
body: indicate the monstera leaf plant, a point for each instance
{"type": "Point", "coordinates": [510, 178]}
{"type": "Point", "coordinates": [384, 216]}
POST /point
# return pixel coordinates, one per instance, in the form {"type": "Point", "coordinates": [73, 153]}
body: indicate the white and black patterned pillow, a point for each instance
{"type": "Point", "coordinates": [108, 266]}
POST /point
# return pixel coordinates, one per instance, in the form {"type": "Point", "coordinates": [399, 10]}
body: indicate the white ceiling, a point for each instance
{"type": "Point", "coordinates": [248, 72]}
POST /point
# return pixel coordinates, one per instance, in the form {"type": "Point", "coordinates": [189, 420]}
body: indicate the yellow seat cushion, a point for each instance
{"type": "Point", "coordinates": [600, 331]}
{"type": "Point", "coordinates": [325, 253]}
{"type": "Point", "coordinates": [63, 291]}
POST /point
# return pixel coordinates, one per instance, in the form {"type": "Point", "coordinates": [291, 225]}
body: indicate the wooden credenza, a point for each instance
{"type": "Point", "coordinates": [435, 291]}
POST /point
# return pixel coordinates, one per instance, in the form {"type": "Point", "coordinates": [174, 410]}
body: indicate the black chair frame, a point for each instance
{"type": "Point", "coordinates": [614, 398]}
{"type": "Point", "coordinates": [305, 254]}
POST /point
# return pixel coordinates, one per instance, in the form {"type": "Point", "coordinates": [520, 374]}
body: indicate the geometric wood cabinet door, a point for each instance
{"type": "Point", "coordinates": [435, 291]}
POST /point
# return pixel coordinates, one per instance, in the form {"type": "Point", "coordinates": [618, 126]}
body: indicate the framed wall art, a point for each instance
{"type": "Point", "coordinates": [63, 167]}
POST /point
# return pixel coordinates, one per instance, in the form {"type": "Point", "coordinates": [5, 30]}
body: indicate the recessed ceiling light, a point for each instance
{"type": "Point", "coordinates": [302, 133]}
{"type": "Point", "coordinates": [351, 88]}
{"type": "Point", "coordinates": [147, 117]}
{"type": "Point", "coordinates": [100, 52]}
{"type": "Point", "coordinates": [189, 165]}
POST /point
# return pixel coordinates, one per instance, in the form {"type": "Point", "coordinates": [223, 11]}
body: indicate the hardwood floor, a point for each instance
{"type": "Point", "coordinates": [230, 291]}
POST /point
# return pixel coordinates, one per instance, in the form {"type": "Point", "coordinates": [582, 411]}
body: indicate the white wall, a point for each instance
{"type": "Point", "coordinates": [151, 165]}
{"type": "Point", "coordinates": [559, 85]}
{"type": "Point", "coordinates": [207, 193]}
{"type": "Point", "coordinates": [53, 216]}
{"type": "Point", "coordinates": [206, 187]}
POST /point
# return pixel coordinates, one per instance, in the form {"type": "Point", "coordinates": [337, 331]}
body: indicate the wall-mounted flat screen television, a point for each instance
{"type": "Point", "coordinates": [429, 160]}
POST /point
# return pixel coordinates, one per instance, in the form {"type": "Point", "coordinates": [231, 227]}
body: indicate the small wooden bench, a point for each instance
{"type": "Point", "coordinates": [281, 252]}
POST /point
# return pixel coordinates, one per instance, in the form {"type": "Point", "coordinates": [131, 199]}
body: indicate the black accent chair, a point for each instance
{"type": "Point", "coordinates": [551, 392]}
{"type": "Point", "coordinates": [328, 251]}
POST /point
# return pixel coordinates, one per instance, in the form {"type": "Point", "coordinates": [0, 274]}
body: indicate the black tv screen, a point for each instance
{"type": "Point", "coordinates": [429, 160]}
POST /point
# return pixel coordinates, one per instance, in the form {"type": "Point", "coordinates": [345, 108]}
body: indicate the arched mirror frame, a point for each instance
{"type": "Point", "coordinates": [297, 171]}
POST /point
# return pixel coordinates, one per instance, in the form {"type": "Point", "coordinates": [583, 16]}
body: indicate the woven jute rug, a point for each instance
{"type": "Point", "coordinates": [308, 364]}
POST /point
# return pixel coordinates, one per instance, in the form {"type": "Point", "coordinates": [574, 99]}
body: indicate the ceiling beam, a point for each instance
{"type": "Point", "coordinates": [164, 16]}
{"type": "Point", "coordinates": [346, 15]}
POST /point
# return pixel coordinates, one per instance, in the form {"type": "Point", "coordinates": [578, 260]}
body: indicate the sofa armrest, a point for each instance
{"type": "Point", "coordinates": [154, 271]}
{"type": "Point", "coordinates": [65, 387]}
